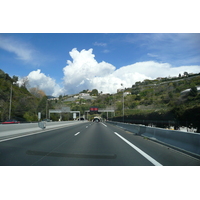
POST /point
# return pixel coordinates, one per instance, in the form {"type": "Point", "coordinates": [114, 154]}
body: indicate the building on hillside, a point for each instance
{"type": "Point", "coordinates": [71, 99]}
{"type": "Point", "coordinates": [188, 90]}
{"type": "Point", "coordinates": [120, 90]}
{"type": "Point", "coordinates": [126, 93]}
{"type": "Point", "coordinates": [51, 98]}
{"type": "Point", "coordinates": [84, 94]}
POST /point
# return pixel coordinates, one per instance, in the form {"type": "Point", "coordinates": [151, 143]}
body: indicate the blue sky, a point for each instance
{"type": "Point", "coordinates": [97, 58]}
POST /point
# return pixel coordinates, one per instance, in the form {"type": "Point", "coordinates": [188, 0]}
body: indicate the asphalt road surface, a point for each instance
{"type": "Point", "coordinates": [89, 144]}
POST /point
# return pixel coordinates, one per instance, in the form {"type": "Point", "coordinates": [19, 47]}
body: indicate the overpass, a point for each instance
{"type": "Point", "coordinates": [103, 111]}
{"type": "Point", "coordinates": [63, 110]}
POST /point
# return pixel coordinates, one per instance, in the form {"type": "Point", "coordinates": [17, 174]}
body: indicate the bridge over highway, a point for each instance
{"type": "Point", "coordinates": [103, 111]}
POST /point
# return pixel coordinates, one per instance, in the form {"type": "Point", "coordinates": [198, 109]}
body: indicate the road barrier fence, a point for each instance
{"type": "Point", "coordinates": [186, 141]}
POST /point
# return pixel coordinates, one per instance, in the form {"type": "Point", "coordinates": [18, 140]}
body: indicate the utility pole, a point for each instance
{"type": "Point", "coordinates": [10, 102]}
{"type": "Point", "coordinates": [46, 109]}
{"type": "Point", "coordinates": [123, 101]}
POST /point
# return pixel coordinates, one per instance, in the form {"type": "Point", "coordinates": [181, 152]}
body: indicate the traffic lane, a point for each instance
{"type": "Point", "coordinates": [95, 146]}
{"type": "Point", "coordinates": [81, 145]}
{"type": "Point", "coordinates": [16, 152]}
{"type": "Point", "coordinates": [165, 155]}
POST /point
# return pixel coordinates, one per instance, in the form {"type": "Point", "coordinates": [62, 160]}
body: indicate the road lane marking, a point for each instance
{"type": "Point", "coordinates": [149, 158]}
{"type": "Point", "coordinates": [103, 124]}
{"type": "Point", "coordinates": [76, 134]}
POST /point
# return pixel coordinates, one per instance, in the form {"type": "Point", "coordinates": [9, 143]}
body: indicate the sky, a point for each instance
{"type": "Point", "coordinates": [67, 63]}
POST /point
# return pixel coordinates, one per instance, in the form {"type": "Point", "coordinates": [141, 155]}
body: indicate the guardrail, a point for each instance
{"type": "Point", "coordinates": [189, 142]}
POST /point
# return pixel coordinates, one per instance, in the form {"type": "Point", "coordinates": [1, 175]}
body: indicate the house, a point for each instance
{"type": "Point", "coordinates": [188, 90]}
{"type": "Point", "coordinates": [51, 98]}
{"type": "Point", "coordinates": [84, 94]}
{"type": "Point", "coordinates": [120, 90]}
{"type": "Point", "coordinates": [126, 93]}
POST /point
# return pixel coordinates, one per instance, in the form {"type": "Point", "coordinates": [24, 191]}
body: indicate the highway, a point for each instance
{"type": "Point", "coordinates": [89, 144]}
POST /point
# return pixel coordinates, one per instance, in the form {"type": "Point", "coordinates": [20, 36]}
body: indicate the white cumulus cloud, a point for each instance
{"type": "Point", "coordinates": [84, 72]}
{"type": "Point", "coordinates": [80, 73]}
{"type": "Point", "coordinates": [43, 82]}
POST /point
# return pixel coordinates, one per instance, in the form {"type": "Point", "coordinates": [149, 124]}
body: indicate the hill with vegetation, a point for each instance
{"type": "Point", "coordinates": [16, 102]}
{"type": "Point", "coordinates": [161, 101]}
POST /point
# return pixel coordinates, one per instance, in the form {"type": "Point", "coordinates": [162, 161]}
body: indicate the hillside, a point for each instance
{"type": "Point", "coordinates": [151, 101]}
{"type": "Point", "coordinates": [161, 101]}
{"type": "Point", "coordinates": [17, 102]}
{"type": "Point", "coordinates": [146, 96]}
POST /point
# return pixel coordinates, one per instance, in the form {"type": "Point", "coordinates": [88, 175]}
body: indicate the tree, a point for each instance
{"type": "Point", "coordinates": [60, 97]}
{"type": "Point", "coordinates": [29, 116]}
{"type": "Point", "coordinates": [37, 92]}
{"type": "Point", "coordinates": [2, 74]}
{"type": "Point", "coordinates": [15, 79]}
{"type": "Point", "coordinates": [94, 92]}
{"type": "Point", "coordinates": [84, 91]}
{"type": "Point", "coordinates": [42, 106]}
{"type": "Point", "coordinates": [185, 74]}
{"type": "Point", "coordinates": [193, 91]}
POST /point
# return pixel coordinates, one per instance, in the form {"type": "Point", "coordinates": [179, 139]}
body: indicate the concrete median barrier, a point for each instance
{"type": "Point", "coordinates": [20, 129]}
{"type": "Point", "coordinates": [186, 141]}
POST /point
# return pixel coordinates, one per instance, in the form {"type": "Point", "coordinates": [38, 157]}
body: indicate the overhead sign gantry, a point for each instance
{"type": "Point", "coordinates": [95, 109]}
{"type": "Point", "coordinates": [63, 110]}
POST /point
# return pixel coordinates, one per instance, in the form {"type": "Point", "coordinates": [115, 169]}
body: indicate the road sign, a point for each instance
{"type": "Point", "coordinates": [94, 109]}
{"type": "Point", "coordinates": [39, 116]}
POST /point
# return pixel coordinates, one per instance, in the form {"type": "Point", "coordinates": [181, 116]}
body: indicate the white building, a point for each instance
{"type": "Point", "coordinates": [188, 90]}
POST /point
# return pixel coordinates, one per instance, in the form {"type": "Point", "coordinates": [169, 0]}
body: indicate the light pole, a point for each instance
{"type": "Point", "coordinates": [123, 102]}
{"type": "Point", "coordinates": [10, 106]}
{"type": "Point", "coordinates": [10, 102]}
{"type": "Point", "coordinates": [46, 109]}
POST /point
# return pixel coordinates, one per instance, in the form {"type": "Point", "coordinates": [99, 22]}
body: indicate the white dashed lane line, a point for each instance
{"type": "Point", "coordinates": [76, 134]}
{"type": "Point", "coordinates": [104, 124]}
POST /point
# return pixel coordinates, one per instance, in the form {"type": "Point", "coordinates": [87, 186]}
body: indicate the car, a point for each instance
{"type": "Point", "coordinates": [47, 120]}
{"type": "Point", "coordinates": [11, 121]}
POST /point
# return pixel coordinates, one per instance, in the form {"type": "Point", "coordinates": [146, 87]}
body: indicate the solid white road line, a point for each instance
{"type": "Point", "coordinates": [149, 158]}
{"type": "Point", "coordinates": [76, 134]}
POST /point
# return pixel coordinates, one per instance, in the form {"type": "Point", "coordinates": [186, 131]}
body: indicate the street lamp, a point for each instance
{"type": "Point", "coordinates": [10, 106]}
{"type": "Point", "coordinates": [123, 101]}
{"type": "Point", "coordinates": [10, 102]}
